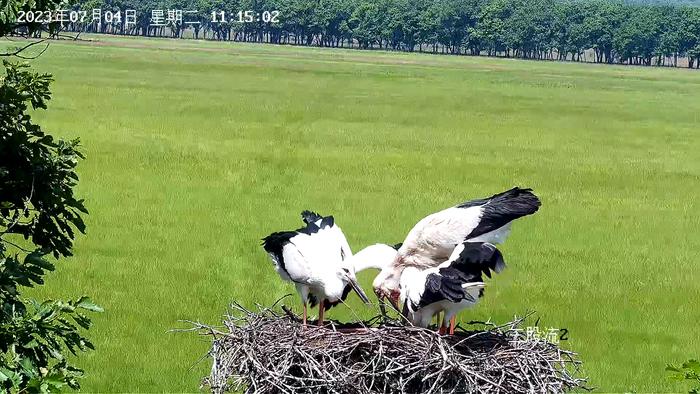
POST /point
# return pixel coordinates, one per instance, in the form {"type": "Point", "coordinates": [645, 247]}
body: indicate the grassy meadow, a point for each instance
{"type": "Point", "coordinates": [195, 150]}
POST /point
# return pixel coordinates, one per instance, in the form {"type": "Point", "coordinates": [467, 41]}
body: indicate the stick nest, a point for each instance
{"type": "Point", "coordinates": [270, 351]}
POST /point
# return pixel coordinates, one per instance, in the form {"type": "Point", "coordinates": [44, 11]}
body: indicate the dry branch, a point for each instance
{"type": "Point", "coordinates": [271, 352]}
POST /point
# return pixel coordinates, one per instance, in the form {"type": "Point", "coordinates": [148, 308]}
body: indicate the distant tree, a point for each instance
{"type": "Point", "coordinates": [642, 32]}
{"type": "Point", "coordinates": [366, 23]}
{"type": "Point", "coordinates": [454, 20]}
{"type": "Point", "coordinates": [394, 27]}
{"type": "Point", "coordinates": [332, 18]}
{"type": "Point", "coordinates": [492, 27]}
{"type": "Point", "coordinates": [298, 20]}
{"type": "Point", "coordinates": [531, 28]}
{"type": "Point", "coordinates": [428, 26]}
{"type": "Point", "coordinates": [601, 27]}
{"type": "Point", "coordinates": [405, 16]}
{"type": "Point", "coordinates": [668, 44]}
{"type": "Point", "coordinates": [571, 34]}
{"type": "Point", "coordinates": [689, 35]}
{"type": "Point", "coordinates": [637, 40]}
{"type": "Point", "coordinates": [694, 56]}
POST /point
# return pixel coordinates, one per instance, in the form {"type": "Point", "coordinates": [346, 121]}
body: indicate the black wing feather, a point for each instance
{"type": "Point", "coordinates": [327, 221]}
{"type": "Point", "coordinates": [310, 216]}
{"type": "Point", "coordinates": [479, 257]}
{"type": "Point", "coordinates": [502, 208]}
{"type": "Point", "coordinates": [476, 258]}
{"type": "Point", "coordinates": [313, 301]}
{"type": "Point", "coordinates": [275, 242]}
{"type": "Point", "coordinates": [445, 285]}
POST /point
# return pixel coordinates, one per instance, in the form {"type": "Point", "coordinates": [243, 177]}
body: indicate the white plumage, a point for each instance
{"type": "Point", "coordinates": [433, 239]}
{"type": "Point", "coordinates": [450, 287]}
{"type": "Point", "coordinates": [412, 289]}
{"type": "Point", "coordinates": [314, 259]}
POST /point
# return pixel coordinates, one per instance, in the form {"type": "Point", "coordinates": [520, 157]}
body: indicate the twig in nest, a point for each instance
{"type": "Point", "coordinates": [270, 352]}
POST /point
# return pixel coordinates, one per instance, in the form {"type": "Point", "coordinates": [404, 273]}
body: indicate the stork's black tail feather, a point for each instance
{"type": "Point", "coordinates": [310, 216]}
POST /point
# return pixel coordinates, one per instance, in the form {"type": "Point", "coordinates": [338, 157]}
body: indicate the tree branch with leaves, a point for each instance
{"type": "Point", "coordinates": [39, 219]}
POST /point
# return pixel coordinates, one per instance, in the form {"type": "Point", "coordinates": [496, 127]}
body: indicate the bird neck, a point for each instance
{"type": "Point", "coordinates": [377, 256]}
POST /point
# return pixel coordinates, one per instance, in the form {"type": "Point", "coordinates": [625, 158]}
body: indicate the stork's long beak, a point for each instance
{"type": "Point", "coordinates": [358, 289]}
{"type": "Point", "coordinates": [382, 305]}
{"type": "Point", "coordinates": [394, 299]}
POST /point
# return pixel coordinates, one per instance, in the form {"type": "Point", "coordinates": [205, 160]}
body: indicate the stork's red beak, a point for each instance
{"type": "Point", "coordinates": [380, 298]}
{"type": "Point", "coordinates": [394, 299]}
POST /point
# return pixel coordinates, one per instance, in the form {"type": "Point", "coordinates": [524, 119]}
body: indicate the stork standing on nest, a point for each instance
{"type": "Point", "coordinates": [450, 287]}
{"type": "Point", "coordinates": [314, 258]}
{"type": "Point", "coordinates": [432, 240]}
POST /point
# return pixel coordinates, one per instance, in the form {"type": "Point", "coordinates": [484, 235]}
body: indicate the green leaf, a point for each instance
{"type": "Point", "coordinates": [86, 303]}
{"type": "Point", "coordinates": [28, 367]}
{"type": "Point", "coordinates": [14, 377]}
{"type": "Point", "coordinates": [36, 258]}
{"type": "Point", "coordinates": [693, 365]}
{"type": "Point", "coordinates": [680, 376]}
{"type": "Point", "coordinates": [82, 320]}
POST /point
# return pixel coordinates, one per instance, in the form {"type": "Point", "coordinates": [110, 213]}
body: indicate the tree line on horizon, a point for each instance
{"type": "Point", "coordinates": [601, 31]}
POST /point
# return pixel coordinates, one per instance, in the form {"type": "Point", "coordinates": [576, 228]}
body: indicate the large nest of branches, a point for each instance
{"type": "Point", "coordinates": [270, 351]}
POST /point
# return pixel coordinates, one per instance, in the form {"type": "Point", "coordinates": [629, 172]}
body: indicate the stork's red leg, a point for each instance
{"type": "Point", "coordinates": [320, 313]}
{"type": "Point", "coordinates": [305, 313]}
{"type": "Point", "coordinates": [441, 323]}
{"type": "Point", "coordinates": [453, 322]}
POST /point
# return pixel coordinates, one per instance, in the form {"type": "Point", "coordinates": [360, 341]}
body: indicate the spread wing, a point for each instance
{"type": "Point", "coordinates": [436, 235]}
{"type": "Point", "coordinates": [482, 220]}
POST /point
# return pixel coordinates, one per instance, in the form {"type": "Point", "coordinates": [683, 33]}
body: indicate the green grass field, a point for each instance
{"type": "Point", "coordinates": [195, 150]}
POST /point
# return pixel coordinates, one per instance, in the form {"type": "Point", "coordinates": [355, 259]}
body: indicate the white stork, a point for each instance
{"type": "Point", "coordinates": [450, 287]}
{"type": "Point", "coordinates": [433, 239]}
{"type": "Point", "coordinates": [314, 258]}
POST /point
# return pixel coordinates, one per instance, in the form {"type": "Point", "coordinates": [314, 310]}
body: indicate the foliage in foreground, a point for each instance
{"type": "Point", "coordinates": [39, 216]}
{"type": "Point", "coordinates": [10, 9]}
{"type": "Point", "coordinates": [689, 371]}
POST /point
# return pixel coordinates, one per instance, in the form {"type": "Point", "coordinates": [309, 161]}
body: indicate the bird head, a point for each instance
{"type": "Point", "coordinates": [386, 285]}
{"type": "Point", "coordinates": [377, 256]}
